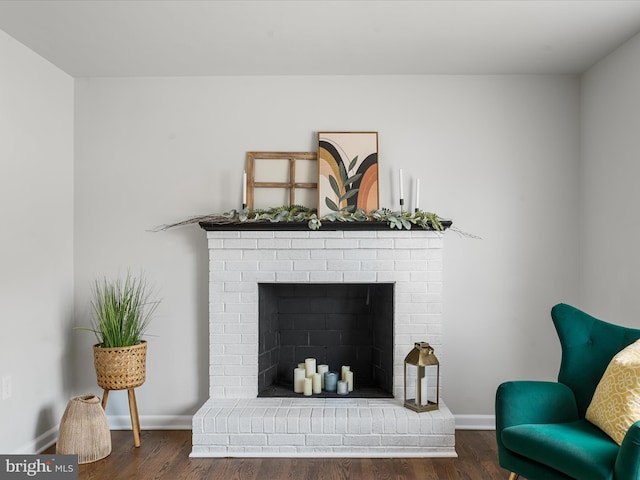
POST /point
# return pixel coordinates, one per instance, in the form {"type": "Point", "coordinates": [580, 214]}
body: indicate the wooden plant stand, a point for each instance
{"type": "Point", "coordinates": [133, 412]}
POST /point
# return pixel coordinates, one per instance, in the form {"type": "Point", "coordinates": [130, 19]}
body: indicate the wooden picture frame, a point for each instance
{"type": "Point", "coordinates": [281, 178]}
{"type": "Point", "coordinates": [347, 172]}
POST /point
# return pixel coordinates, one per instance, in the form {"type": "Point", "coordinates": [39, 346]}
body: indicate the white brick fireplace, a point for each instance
{"type": "Point", "coordinates": [235, 422]}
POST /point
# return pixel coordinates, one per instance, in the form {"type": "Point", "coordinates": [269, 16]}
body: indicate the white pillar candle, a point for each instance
{"type": "Point", "coordinates": [298, 380]}
{"type": "Point", "coordinates": [417, 194]}
{"type": "Point", "coordinates": [343, 389]}
{"type": "Point", "coordinates": [316, 383]}
{"type": "Point", "coordinates": [302, 365]}
{"type": "Point", "coordinates": [322, 369]}
{"type": "Point", "coordinates": [308, 388]}
{"type": "Point", "coordinates": [401, 187]}
{"type": "Point", "coordinates": [345, 369]}
{"type": "Point", "coordinates": [310, 365]}
{"type": "Point", "coordinates": [349, 380]}
{"type": "Point", "coordinates": [244, 188]}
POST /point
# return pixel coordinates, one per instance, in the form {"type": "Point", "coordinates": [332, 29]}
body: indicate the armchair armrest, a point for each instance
{"type": "Point", "coordinates": [523, 402]}
{"type": "Point", "coordinates": [628, 461]}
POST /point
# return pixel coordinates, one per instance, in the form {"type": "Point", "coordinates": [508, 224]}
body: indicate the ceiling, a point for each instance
{"type": "Point", "coordinates": [113, 38]}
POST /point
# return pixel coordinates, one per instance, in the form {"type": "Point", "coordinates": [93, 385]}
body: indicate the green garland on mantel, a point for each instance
{"type": "Point", "coordinates": [299, 214]}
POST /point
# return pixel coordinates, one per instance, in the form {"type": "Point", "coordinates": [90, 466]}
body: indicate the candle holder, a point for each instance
{"type": "Point", "coordinates": [402, 204]}
{"type": "Point", "coordinates": [420, 364]}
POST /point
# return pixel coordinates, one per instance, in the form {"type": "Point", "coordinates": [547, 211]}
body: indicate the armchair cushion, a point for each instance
{"type": "Point", "coordinates": [578, 449]}
{"type": "Point", "coordinates": [615, 405]}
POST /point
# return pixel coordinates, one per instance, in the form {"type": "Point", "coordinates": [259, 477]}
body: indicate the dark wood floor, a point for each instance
{"type": "Point", "coordinates": [165, 455]}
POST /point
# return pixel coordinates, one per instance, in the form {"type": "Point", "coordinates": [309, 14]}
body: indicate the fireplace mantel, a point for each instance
{"type": "Point", "coordinates": [297, 226]}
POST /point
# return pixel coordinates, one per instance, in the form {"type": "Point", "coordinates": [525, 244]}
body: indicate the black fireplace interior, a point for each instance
{"type": "Point", "coordinates": [337, 324]}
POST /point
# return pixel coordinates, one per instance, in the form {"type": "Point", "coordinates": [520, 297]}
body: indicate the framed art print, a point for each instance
{"type": "Point", "coordinates": [347, 172]}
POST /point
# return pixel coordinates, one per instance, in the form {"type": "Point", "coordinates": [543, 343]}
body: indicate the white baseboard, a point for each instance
{"type": "Point", "coordinates": [475, 422]}
{"type": "Point", "coordinates": [151, 422]}
{"type": "Point", "coordinates": [39, 444]}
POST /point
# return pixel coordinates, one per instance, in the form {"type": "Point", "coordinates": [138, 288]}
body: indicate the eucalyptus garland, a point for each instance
{"type": "Point", "coordinates": [298, 213]}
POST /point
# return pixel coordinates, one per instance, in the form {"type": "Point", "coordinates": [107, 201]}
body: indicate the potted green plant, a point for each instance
{"type": "Point", "coordinates": [122, 310]}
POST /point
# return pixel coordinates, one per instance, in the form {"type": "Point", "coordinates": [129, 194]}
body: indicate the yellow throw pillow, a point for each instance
{"type": "Point", "coordinates": [615, 405]}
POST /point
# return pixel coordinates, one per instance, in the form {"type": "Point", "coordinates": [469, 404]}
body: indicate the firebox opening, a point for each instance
{"type": "Point", "coordinates": [337, 324]}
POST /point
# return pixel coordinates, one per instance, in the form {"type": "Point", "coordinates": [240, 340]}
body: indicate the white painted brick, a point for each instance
{"type": "Point", "coordinates": [292, 420]}
{"type": "Point", "coordinates": [257, 234]}
{"type": "Point", "coordinates": [225, 339]}
{"type": "Point", "coordinates": [304, 421]}
{"type": "Point", "coordinates": [393, 276]}
{"type": "Point", "coordinates": [362, 440]}
{"type": "Point", "coordinates": [328, 254]}
{"type": "Point", "coordinates": [360, 234]}
{"type": "Point", "coordinates": [211, 439]}
{"type": "Point", "coordinates": [341, 420]}
{"type": "Point", "coordinates": [260, 255]}
{"type": "Point", "coordinates": [378, 265]}
{"type": "Point", "coordinates": [328, 233]}
{"type": "Point", "coordinates": [239, 370]}
{"type": "Point", "coordinates": [382, 244]}
{"type": "Point", "coordinates": [436, 242]}
{"type": "Point", "coordinates": [306, 243]}
{"type": "Point", "coordinates": [217, 266]}
{"type": "Point", "coordinates": [411, 244]}
{"type": "Point", "coordinates": [275, 266]}
{"type": "Point", "coordinates": [343, 265]}
{"type": "Point", "coordinates": [300, 276]}
{"type": "Point", "coordinates": [274, 244]}
{"type": "Point", "coordinates": [434, 265]}
{"type": "Point", "coordinates": [295, 234]}
{"type": "Point", "coordinates": [240, 243]}
{"type": "Point", "coordinates": [325, 276]}
{"type": "Point", "coordinates": [399, 440]}
{"type": "Point", "coordinates": [410, 266]}
{"type": "Point", "coordinates": [293, 254]}
{"type": "Point", "coordinates": [242, 287]}
{"type": "Point", "coordinates": [310, 265]}
{"type": "Point", "coordinates": [242, 392]}
{"type": "Point", "coordinates": [240, 349]}
{"type": "Point", "coordinates": [359, 277]}
{"type": "Point", "coordinates": [223, 234]}
{"type": "Point", "coordinates": [214, 244]}
{"type": "Point", "coordinates": [258, 277]}
{"type": "Point", "coordinates": [317, 416]}
{"type": "Point", "coordinates": [329, 421]}
{"type": "Point", "coordinates": [225, 276]}
{"type": "Point", "coordinates": [233, 328]}
{"type": "Point", "coordinates": [341, 244]}
{"type": "Point", "coordinates": [324, 440]}
{"type": "Point", "coordinates": [281, 420]}
{"type": "Point", "coordinates": [353, 420]}
{"type": "Point", "coordinates": [286, 440]}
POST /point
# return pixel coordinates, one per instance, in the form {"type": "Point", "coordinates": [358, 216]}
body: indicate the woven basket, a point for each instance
{"type": "Point", "coordinates": [84, 430]}
{"type": "Point", "coordinates": [120, 368]}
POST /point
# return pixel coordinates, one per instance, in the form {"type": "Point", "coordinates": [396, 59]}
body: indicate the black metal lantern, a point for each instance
{"type": "Point", "coordinates": [421, 374]}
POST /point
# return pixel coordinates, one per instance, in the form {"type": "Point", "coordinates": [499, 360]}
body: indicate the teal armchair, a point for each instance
{"type": "Point", "coordinates": [541, 429]}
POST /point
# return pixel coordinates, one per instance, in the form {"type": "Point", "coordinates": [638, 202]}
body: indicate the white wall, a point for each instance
{"type": "Point", "coordinates": [36, 245]}
{"type": "Point", "coordinates": [498, 154]}
{"type": "Point", "coordinates": [610, 273]}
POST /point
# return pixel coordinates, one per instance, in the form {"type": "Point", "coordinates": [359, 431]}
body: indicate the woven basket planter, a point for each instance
{"type": "Point", "coordinates": [120, 368]}
{"type": "Point", "coordinates": [84, 430]}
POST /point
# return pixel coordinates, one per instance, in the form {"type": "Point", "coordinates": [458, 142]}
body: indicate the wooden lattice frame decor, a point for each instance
{"type": "Point", "coordinates": [291, 184]}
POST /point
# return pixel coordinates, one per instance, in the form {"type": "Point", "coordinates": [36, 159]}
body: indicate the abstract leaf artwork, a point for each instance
{"type": "Point", "coordinates": [347, 172]}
